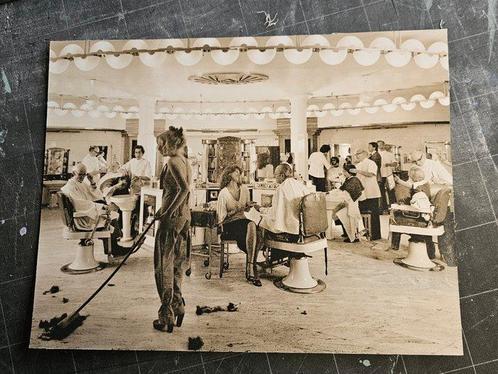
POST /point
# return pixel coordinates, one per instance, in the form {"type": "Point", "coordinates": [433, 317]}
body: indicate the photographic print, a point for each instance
{"type": "Point", "coordinates": [264, 194]}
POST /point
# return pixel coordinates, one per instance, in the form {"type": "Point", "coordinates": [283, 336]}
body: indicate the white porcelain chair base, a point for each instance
{"type": "Point", "coordinates": [299, 274]}
{"type": "Point", "coordinates": [417, 258]}
{"type": "Point", "coordinates": [84, 261]}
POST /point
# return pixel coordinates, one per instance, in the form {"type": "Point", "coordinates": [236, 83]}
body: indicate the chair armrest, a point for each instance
{"type": "Point", "coordinates": [79, 215]}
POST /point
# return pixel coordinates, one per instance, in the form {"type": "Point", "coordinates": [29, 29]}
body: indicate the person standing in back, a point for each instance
{"type": "Point", "coordinates": [319, 165]}
{"type": "Point", "coordinates": [369, 200]}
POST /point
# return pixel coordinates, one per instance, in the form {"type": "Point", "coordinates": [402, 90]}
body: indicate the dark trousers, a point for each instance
{"type": "Point", "coordinates": [447, 240]}
{"type": "Point", "coordinates": [387, 196]}
{"type": "Point", "coordinates": [431, 247]}
{"type": "Point", "coordinates": [371, 206]}
{"type": "Point", "coordinates": [319, 183]}
{"type": "Point", "coordinates": [115, 235]}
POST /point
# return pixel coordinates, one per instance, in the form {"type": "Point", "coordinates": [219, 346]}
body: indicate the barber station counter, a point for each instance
{"type": "Point", "coordinates": [150, 202]}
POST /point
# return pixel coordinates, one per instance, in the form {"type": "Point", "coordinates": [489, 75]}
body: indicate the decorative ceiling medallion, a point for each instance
{"type": "Point", "coordinates": [228, 78]}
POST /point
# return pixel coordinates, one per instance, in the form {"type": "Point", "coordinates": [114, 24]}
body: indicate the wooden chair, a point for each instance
{"type": "Point", "coordinates": [84, 261]}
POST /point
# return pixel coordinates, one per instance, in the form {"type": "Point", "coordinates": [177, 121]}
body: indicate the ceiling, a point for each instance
{"type": "Point", "coordinates": [315, 78]}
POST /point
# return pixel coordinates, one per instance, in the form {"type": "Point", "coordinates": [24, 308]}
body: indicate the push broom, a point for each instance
{"type": "Point", "coordinates": [64, 325]}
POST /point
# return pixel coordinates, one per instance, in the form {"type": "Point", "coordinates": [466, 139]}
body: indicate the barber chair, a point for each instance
{"type": "Point", "coordinates": [84, 261]}
{"type": "Point", "coordinates": [312, 226]}
{"type": "Point", "coordinates": [405, 219]}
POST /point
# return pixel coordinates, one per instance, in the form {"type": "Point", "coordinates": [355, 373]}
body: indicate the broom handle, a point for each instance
{"type": "Point", "coordinates": [132, 248]}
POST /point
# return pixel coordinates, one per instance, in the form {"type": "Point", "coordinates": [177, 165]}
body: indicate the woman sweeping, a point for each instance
{"type": "Point", "coordinates": [170, 250]}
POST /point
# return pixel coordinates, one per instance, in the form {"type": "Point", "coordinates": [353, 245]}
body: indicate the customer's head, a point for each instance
{"type": "Point", "coordinates": [349, 170]}
{"type": "Point", "coordinates": [79, 172]}
{"type": "Point", "coordinates": [171, 142]}
{"type": "Point", "coordinates": [113, 167]}
{"type": "Point", "coordinates": [282, 172]}
{"type": "Point", "coordinates": [325, 148]}
{"type": "Point", "coordinates": [373, 147]}
{"type": "Point", "coordinates": [416, 174]}
{"type": "Point", "coordinates": [418, 157]}
{"type": "Point", "coordinates": [231, 173]}
{"type": "Point", "coordinates": [334, 161]}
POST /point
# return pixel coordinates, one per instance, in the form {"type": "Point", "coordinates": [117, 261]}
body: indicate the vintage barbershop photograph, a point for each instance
{"type": "Point", "coordinates": [261, 194]}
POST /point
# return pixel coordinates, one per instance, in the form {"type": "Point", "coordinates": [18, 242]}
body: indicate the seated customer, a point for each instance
{"type": "Point", "coordinates": [87, 199]}
{"type": "Point", "coordinates": [233, 200]}
{"type": "Point", "coordinates": [418, 198]}
{"type": "Point", "coordinates": [283, 215]}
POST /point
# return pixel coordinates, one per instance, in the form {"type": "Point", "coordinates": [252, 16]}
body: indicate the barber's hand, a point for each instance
{"type": "Point", "coordinates": [397, 179]}
{"type": "Point", "coordinates": [113, 207]}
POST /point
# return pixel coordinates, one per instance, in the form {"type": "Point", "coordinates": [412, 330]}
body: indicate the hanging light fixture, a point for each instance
{"type": "Point", "coordinates": [58, 66]}
{"type": "Point", "coordinates": [88, 62]}
{"type": "Point", "coordinates": [398, 57]}
{"type": "Point", "coordinates": [154, 58]}
{"type": "Point", "coordinates": [298, 55]}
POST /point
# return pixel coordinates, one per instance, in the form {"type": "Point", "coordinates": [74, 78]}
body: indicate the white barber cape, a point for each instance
{"type": "Point", "coordinates": [82, 197]}
{"type": "Point", "coordinates": [283, 215]}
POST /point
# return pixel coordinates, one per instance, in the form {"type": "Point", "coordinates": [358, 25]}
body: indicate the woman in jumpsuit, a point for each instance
{"type": "Point", "coordinates": [170, 250]}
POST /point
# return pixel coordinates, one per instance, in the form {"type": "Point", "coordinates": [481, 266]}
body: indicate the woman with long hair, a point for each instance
{"type": "Point", "coordinates": [170, 250]}
{"type": "Point", "coordinates": [233, 200]}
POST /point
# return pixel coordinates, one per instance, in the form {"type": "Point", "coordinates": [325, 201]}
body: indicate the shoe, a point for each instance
{"type": "Point", "coordinates": [251, 278]}
{"type": "Point", "coordinates": [179, 316]}
{"type": "Point", "coordinates": [349, 241]}
{"type": "Point", "coordinates": [161, 326]}
{"type": "Point", "coordinates": [255, 281]}
{"type": "Point", "coordinates": [119, 251]}
{"type": "Point", "coordinates": [344, 235]}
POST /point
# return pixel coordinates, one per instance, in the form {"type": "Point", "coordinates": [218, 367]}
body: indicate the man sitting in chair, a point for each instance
{"type": "Point", "coordinates": [87, 199]}
{"type": "Point", "coordinates": [282, 218]}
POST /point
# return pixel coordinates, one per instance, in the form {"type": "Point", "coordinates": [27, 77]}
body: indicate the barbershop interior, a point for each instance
{"type": "Point", "coordinates": [339, 148]}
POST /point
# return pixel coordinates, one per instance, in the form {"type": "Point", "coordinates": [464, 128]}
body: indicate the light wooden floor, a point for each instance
{"type": "Point", "coordinates": [370, 305]}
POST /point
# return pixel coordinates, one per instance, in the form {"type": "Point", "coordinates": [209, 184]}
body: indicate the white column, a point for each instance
{"type": "Point", "coordinates": [299, 134]}
{"type": "Point", "coordinates": [146, 136]}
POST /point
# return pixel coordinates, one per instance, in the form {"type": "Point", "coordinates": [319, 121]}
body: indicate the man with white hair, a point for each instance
{"type": "Point", "coordinates": [369, 200]}
{"type": "Point", "coordinates": [434, 171]}
{"type": "Point", "coordinates": [388, 162]}
{"type": "Point", "coordinates": [87, 200]}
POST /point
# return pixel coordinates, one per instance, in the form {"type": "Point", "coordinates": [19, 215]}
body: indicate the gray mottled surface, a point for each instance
{"type": "Point", "coordinates": [25, 30]}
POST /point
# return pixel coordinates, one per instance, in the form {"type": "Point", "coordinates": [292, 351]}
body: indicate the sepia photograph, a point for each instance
{"type": "Point", "coordinates": [249, 194]}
